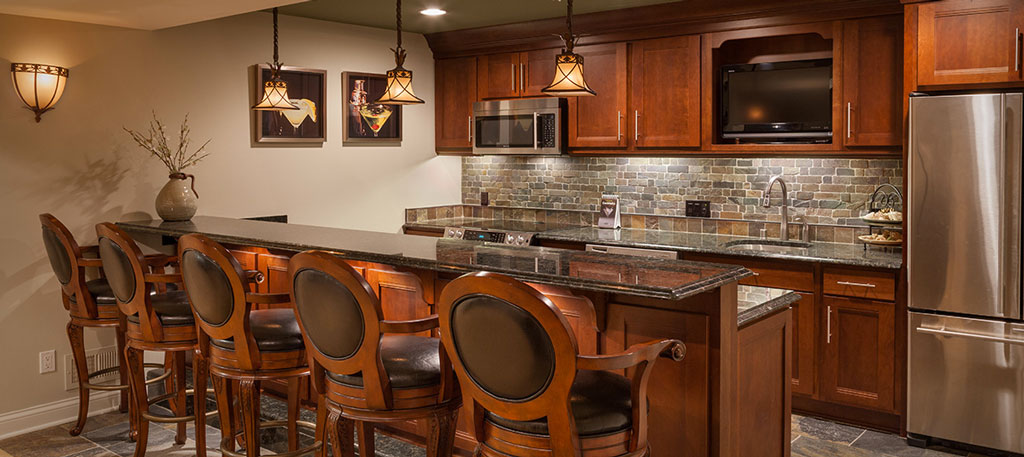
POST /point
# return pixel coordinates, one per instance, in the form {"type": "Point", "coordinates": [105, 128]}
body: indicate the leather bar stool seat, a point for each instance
{"type": "Point", "coordinates": [600, 404]}
{"type": "Point", "coordinates": [172, 308]}
{"type": "Point", "coordinates": [273, 330]}
{"type": "Point", "coordinates": [410, 361]}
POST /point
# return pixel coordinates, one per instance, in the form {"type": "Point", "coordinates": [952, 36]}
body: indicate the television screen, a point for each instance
{"type": "Point", "coordinates": [789, 99]}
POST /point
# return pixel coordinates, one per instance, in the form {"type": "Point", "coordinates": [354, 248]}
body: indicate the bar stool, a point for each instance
{"type": "Point", "coordinates": [155, 322]}
{"type": "Point", "coordinates": [361, 374]}
{"type": "Point", "coordinates": [529, 390]}
{"type": "Point", "coordinates": [90, 303]}
{"type": "Point", "coordinates": [240, 344]}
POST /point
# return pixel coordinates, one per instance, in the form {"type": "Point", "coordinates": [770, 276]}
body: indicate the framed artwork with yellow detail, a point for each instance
{"type": "Point", "coordinates": [365, 121]}
{"type": "Point", "coordinates": [307, 91]}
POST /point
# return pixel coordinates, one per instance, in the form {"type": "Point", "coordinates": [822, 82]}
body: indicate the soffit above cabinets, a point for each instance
{"type": "Point", "coordinates": [462, 14]}
{"type": "Point", "coordinates": [137, 14]}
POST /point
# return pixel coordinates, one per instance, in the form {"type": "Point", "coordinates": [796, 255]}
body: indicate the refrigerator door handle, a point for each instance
{"type": "Point", "coordinates": [943, 332]}
{"type": "Point", "coordinates": [1011, 226]}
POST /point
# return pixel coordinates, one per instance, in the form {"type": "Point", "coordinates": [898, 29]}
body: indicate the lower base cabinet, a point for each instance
{"type": "Point", "coordinates": [859, 363]}
{"type": "Point", "coordinates": [804, 354]}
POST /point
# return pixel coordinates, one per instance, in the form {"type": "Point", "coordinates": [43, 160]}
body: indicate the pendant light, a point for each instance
{"type": "Point", "coordinates": [399, 90]}
{"type": "Point", "coordinates": [275, 90]}
{"type": "Point", "coordinates": [568, 81]}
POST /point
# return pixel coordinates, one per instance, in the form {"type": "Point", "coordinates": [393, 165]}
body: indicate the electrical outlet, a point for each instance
{"type": "Point", "coordinates": [698, 208]}
{"type": "Point", "coordinates": [47, 361]}
{"type": "Point", "coordinates": [95, 360]}
{"type": "Point", "coordinates": [484, 199]}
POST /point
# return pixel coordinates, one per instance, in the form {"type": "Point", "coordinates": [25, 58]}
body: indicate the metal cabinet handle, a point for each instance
{"type": "Point", "coordinates": [636, 126]}
{"type": "Point", "coordinates": [849, 119]}
{"type": "Point", "coordinates": [513, 78]}
{"type": "Point", "coordinates": [755, 273]}
{"type": "Point", "coordinates": [829, 326]}
{"type": "Point", "coordinates": [522, 78]}
{"type": "Point", "coordinates": [536, 129]}
{"type": "Point", "coordinates": [1017, 329]}
{"type": "Point", "coordinates": [944, 332]}
{"type": "Point", "coordinates": [855, 284]}
{"type": "Point", "coordinates": [618, 125]}
{"type": "Point", "coordinates": [470, 119]}
{"type": "Point", "coordinates": [1016, 49]}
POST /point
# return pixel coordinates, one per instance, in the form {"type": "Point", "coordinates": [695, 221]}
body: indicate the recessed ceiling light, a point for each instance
{"type": "Point", "coordinates": [433, 12]}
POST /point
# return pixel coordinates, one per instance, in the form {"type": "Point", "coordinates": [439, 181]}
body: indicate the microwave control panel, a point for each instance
{"type": "Point", "coordinates": [547, 130]}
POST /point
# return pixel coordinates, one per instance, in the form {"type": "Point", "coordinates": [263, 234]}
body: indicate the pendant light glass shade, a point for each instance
{"type": "Point", "coordinates": [275, 90]}
{"type": "Point", "coordinates": [399, 90]}
{"type": "Point", "coordinates": [39, 86]}
{"type": "Point", "coordinates": [568, 81]}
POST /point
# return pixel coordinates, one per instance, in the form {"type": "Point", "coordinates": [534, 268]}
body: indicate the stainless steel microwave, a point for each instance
{"type": "Point", "coordinates": [522, 126]}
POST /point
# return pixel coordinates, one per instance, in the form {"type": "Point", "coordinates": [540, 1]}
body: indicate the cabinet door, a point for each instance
{"type": "Point", "coordinates": [248, 261]}
{"type": "Point", "coordinates": [455, 81]}
{"type": "Point", "coordinates": [859, 360]}
{"type": "Point", "coordinates": [498, 76]}
{"type": "Point", "coordinates": [665, 103]}
{"type": "Point", "coordinates": [401, 294]}
{"type": "Point", "coordinates": [599, 121]}
{"type": "Point", "coordinates": [804, 336]}
{"type": "Point", "coordinates": [872, 93]}
{"type": "Point", "coordinates": [277, 281]}
{"type": "Point", "coordinates": [537, 70]}
{"type": "Point", "coordinates": [968, 41]}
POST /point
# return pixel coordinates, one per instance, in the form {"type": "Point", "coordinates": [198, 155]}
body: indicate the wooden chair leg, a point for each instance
{"type": "Point", "coordinates": [340, 432]}
{"type": "Point", "coordinates": [320, 433]}
{"type": "Point", "coordinates": [224, 390]}
{"type": "Point", "coordinates": [441, 437]}
{"type": "Point", "coordinates": [122, 368]}
{"type": "Point", "coordinates": [180, 400]}
{"type": "Point", "coordinates": [75, 337]}
{"type": "Point", "coordinates": [138, 385]}
{"type": "Point", "coordinates": [199, 375]}
{"type": "Point", "coordinates": [250, 396]}
{"type": "Point", "coordinates": [293, 413]}
{"type": "Point", "coordinates": [366, 445]}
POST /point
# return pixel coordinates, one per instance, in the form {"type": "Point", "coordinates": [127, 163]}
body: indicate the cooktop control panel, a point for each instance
{"type": "Point", "coordinates": [490, 236]}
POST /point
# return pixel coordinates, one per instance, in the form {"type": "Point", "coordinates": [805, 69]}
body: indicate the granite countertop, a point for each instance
{"type": "Point", "coordinates": [653, 278]}
{"type": "Point", "coordinates": [707, 243]}
{"type": "Point", "coordinates": [755, 302]}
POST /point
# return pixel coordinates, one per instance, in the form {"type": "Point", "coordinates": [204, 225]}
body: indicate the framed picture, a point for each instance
{"type": "Point", "coordinates": [367, 122]}
{"type": "Point", "coordinates": [307, 89]}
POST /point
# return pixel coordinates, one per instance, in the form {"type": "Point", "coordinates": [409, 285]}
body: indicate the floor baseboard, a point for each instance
{"type": "Point", "coordinates": [54, 413]}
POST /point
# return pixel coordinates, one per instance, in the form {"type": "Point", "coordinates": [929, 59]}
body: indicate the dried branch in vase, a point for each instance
{"type": "Point", "coordinates": [155, 141]}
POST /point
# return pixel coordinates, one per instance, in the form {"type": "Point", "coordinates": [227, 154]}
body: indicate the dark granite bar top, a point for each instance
{"type": "Point", "coordinates": [707, 243]}
{"type": "Point", "coordinates": [755, 302]}
{"type": "Point", "coordinates": [653, 278]}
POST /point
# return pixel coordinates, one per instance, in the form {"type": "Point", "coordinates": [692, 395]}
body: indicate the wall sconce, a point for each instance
{"type": "Point", "coordinates": [39, 86]}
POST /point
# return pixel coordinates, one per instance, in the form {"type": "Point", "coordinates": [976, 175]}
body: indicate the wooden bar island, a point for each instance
{"type": "Point", "coordinates": [729, 397]}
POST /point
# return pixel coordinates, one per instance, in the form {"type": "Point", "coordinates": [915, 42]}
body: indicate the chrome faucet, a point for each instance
{"type": "Point", "coordinates": [766, 201]}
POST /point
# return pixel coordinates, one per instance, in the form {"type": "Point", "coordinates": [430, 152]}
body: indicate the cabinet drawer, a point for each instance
{"type": "Point", "coordinates": [876, 285]}
{"type": "Point", "coordinates": [790, 275]}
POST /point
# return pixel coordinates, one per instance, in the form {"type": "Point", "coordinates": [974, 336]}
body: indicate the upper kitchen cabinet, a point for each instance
{"type": "Point", "coordinates": [872, 63]}
{"type": "Point", "coordinates": [968, 42]}
{"type": "Point", "coordinates": [665, 99]}
{"type": "Point", "coordinates": [515, 74]}
{"type": "Point", "coordinates": [599, 121]}
{"type": "Point", "coordinates": [455, 93]}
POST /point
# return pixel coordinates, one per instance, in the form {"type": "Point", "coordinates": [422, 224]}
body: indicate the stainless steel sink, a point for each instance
{"type": "Point", "coordinates": [778, 246]}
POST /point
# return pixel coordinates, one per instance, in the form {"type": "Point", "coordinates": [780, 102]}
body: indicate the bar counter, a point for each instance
{"type": "Point", "coordinates": [728, 397]}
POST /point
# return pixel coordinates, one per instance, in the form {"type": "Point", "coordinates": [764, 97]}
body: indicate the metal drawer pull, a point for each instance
{"type": "Point", "coordinates": [849, 107]}
{"type": "Point", "coordinates": [856, 284]}
{"type": "Point", "coordinates": [1017, 330]}
{"type": "Point", "coordinates": [995, 339]}
{"type": "Point", "coordinates": [618, 126]}
{"type": "Point", "coordinates": [636, 125]}
{"type": "Point", "coordinates": [1016, 49]}
{"type": "Point", "coordinates": [829, 325]}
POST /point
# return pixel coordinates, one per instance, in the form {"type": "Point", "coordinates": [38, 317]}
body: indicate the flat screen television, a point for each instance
{"type": "Point", "coordinates": [777, 102]}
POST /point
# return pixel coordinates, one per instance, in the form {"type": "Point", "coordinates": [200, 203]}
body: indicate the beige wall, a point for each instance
{"type": "Point", "coordinates": [80, 166]}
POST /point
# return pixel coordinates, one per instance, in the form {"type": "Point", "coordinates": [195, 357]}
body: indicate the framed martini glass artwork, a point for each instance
{"type": "Point", "coordinates": [367, 122]}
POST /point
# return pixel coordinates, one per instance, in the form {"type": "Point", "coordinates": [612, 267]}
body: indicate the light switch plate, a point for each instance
{"type": "Point", "coordinates": [698, 208]}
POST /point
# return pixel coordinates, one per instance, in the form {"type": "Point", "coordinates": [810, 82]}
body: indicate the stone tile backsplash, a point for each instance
{"type": "Point", "coordinates": [823, 191]}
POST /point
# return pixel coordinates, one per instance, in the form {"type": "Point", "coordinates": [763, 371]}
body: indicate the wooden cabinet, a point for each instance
{"type": "Point", "coordinates": [515, 74]}
{"type": "Point", "coordinates": [804, 356]}
{"type": "Point", "coordinates": [277, 280]}
{"type": "Point", "coordinates": [455, 92]}
{"type": "Point", "coordinates": [859, 362]}
{"type": "Point", "coordinates": [598, 121]}
{"type": "Point", "coordinates": [969, 41]}
{"type": "Point", "coordinates": [665, 99]}
{"type": "Point", "coordinates": [872, 83]}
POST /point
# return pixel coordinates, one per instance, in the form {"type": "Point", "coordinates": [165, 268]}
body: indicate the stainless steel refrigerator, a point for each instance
{"type": "Point", "coordinates": [966, 359]}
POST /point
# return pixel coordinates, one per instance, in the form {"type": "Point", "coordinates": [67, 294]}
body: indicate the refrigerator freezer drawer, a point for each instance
{"type": "Point", "coordinates": [966, 381]}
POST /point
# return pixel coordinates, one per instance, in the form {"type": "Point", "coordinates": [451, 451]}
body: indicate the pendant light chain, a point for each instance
{"type": "Point", "coordinates": [275, 37]}
{"type": "Point", "coordinates": [568, 22]}
{"type": "Point", "coordinates": [398, 21]}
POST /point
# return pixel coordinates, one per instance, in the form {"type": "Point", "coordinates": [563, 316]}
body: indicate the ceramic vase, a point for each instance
{"type": "Point", "coordinates": [177, 200]}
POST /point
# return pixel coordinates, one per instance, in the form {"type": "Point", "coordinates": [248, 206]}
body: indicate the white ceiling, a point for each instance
{"type": "Point", "coordinates": [137, 14]}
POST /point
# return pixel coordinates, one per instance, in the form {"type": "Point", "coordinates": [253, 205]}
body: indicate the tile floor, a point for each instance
{"type": "Point", "coordinates": [105, 436]}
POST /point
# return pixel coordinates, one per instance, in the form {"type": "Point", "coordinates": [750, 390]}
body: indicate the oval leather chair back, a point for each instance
{"type": "Point", "coordinates": [340, 317]}
{"type": "Point", "coordinates": [493, 326]}
{"type": "Point", "coordinates": [216, 292]}
{"type": "Point", "coordinates": [124, 265]}
{"type": "Point", "coordinates": [63, 252]}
